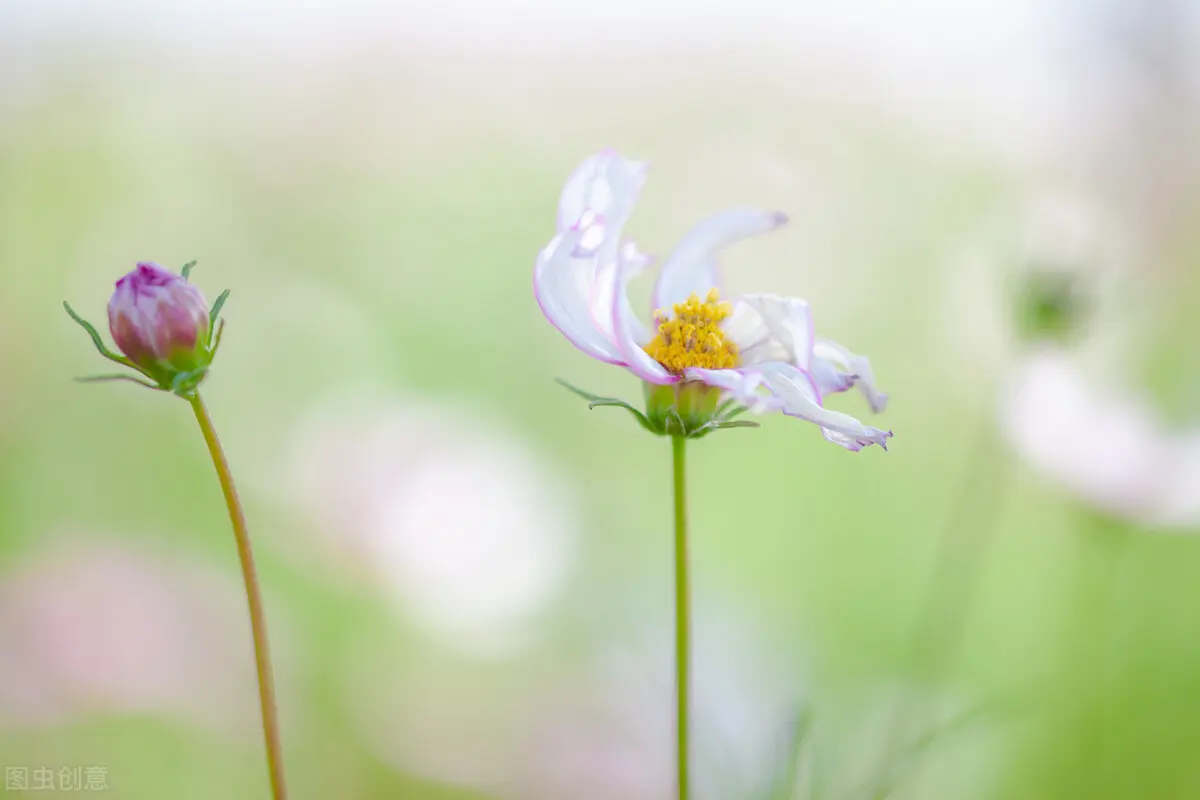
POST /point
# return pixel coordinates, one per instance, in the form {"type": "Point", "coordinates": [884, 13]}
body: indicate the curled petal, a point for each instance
{"type": "Point", "coordinates": [745, 386]}
{"type": "Point", "coordinates": [626, 331]}
{"type": "Point", "coordinates": [836, 369]}
{"type": "Point", "coordinates": [798, 396]}
{"type": "Point", "coordinates": [766, 327]}
{"type": "Point", "coordinates": [562, 285]}
{"type": "Point", "coordinates": [599, 197]}
{"type": "Point", "coordinates": [604, 293]}
{"type": "Point", "coordinates": [692, 268]}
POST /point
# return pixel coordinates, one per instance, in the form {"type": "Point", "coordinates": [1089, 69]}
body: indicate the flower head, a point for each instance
{"type": "Point", "coordinates": [158, 319]}
{"type": "Point", "coordinates": [163, 326]}
{"type": "Point", "coordinates": [758, 351]}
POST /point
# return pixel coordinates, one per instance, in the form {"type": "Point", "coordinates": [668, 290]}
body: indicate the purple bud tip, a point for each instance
{"type": "Point", "coordinates": [145, 275]}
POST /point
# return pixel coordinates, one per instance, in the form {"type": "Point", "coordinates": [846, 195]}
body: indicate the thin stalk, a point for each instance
{"type": "Point", "coordinates": [683, 616]}
{"type": "Point", "coordinates": [962, 550]}
{"type": "Point", "coordinates": [258, 620]}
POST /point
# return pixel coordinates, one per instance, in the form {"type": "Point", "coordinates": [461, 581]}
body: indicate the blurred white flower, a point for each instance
{"type": "Point", "coordinates": [91, 628]}
{"type": "Point", "coordinates": [457, 518]}
{"type": "Point", "coordinates": [598, 730]}
{"type": "Point", "coordinates": [1058, 242]}
{"type": "Point", "coordinates": [611, 732]}
{"type": "Point", "coordinates": [1104, 444]}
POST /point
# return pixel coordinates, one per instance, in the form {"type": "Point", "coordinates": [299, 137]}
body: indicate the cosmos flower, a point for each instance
{"type": "Point", "coordinates": [759, 351]}
{"type": "Point", "coordinates": [1140, 469]}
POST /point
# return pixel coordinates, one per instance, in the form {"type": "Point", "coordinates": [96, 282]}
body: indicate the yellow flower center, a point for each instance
{"type": "Point", "coordinates": [693, 336]}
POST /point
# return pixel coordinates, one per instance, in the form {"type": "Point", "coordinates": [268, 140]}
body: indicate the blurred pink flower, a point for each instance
{"type": "Point", "coordinates": [470, 531]}
{"type": "Point", "coordinates": [1106, 445]}
{"type": "Point", "coordinates": [95, 629]}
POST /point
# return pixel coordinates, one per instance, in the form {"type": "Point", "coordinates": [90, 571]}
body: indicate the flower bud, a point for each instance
{"type": "Point", "coordinates": [160, 322]}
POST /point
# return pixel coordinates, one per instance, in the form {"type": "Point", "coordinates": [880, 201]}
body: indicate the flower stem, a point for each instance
{"type": "Point", "coordinates": [683, 616]}
{"type": "Point", "coordinates": [258, 621]}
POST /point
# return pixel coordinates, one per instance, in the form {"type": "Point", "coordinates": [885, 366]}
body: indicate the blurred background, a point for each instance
{"type": "Point", "coordinates": [467, 574]}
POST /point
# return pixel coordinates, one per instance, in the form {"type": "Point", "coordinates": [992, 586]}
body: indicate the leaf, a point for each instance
{"type": "Point", "coordinates": [96, 340]}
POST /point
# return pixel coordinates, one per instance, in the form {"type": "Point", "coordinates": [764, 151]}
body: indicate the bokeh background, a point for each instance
{"type": "Point", "coordinates": [468, 575]}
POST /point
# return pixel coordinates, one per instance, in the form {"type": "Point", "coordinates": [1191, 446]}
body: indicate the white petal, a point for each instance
{"type": "Point", "coordinates": [799, 396]}
{"type": "Point", "coordinates": [692, 268]}
{"type": "Point", "coordinates": [562, 284]}
{"type": "Point", "coordinates": [767, 327]}
{"type": "Point", "coordinates": [626, 331]}
{"type": "Point", "coordinates": [744, 386]}
{"type": "Point", "coordinates": [603, 294]}
{"type": "Point", "coordinates": [599, 196]}
{"type": "Point", "coordinates": [836, 369]}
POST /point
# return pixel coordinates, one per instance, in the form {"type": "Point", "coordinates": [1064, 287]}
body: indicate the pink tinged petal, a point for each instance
{"type": "Point", "coordinates": [837, 369]}
{"type": "Point", "coordinates": [743, 385]}
{"type": "Point", "coordinates": [766, 327]}
{"type": "Point", "coordinates": [625, 327]}
{"type": "Point", "coordinates": [562, 284]}
{"type": "Point", "coordinates": [603, 294]}
{"type": "Point", "coordinates": [692, 268]}
{"type": "Point", "coordinates": [586, 189]}
{"type": "Point", "coordinates": [798, 395]}
{"type": "Point", "coordinates": [599, 196]}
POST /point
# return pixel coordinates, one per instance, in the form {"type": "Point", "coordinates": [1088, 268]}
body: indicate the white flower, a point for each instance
{"type": "Point", "coordinates": [760, 350]}
{"type": "Point", "coordinates": [1104, 445]}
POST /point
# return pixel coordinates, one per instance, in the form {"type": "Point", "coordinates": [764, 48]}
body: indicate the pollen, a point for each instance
{"type": "Point", "coordinates": [692, 336]}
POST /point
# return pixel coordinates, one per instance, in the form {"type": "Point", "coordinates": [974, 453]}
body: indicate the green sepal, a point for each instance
{"type": "Point", "coordinates": [183, 384]}
{"type": "Point", "coordinates": [108, 378]}
{"type": "Point", "coordinates": [689, 409]}
{"type": "Point", "coordinates": [214, 313]}
{"type": "Point", "coordinates": [96, 340]}
{"type": "Point", "coordinates": [596, 401]}
{"type": "Point", "coordinates": [214, 338]}
{"type": "Point", "coordinates": [725, 413]}
{"type": "Point", "coordinates": [720, 425]}
{"type": "Point", "coordinates": [187, 269]}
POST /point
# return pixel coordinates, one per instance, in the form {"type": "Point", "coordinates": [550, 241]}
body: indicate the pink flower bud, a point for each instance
{"type": "Point", "coordinates": [159, 320]}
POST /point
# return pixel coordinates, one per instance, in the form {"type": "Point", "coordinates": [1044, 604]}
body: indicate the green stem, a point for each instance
{"type": "Point", "coordinates": [258, 621]}
{"type": "Point", "coordinates": [683, 616]}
